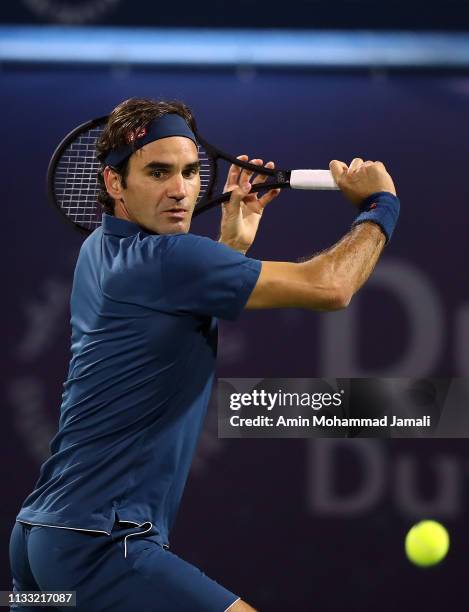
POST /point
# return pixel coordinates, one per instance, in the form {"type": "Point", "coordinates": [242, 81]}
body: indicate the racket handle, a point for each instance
{"type": "Point", "coordinates": [312, 179]}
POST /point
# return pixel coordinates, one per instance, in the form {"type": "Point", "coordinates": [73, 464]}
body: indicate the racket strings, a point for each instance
{"type": "Point", "coordinates": [206, 172]}
{"type": "Point", "coordinates": [76, 181]}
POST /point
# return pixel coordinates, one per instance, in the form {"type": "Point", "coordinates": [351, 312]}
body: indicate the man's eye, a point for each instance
{"type": "Point", "coordinates": [157, 173]}
{"type": "Point", "coordinates": [190, 173]}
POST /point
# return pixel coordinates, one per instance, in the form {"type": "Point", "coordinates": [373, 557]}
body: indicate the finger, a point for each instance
{"type": "Point", "coordinates": [363, 167]}
{"type": "Point", "coordinates": [355, 164]}
{"type": "Point", "coordinates": [261, 178]}
{"type": "Point", "coordinates": [234, 203]}
{"type": "Point", "coordinates": [246, 175]}
{"type": "Point", "coordinates": [233, 173]}
{"type": "Point", "coordinates": [338, 169]}
{"type": "Point", "coordinates": [268, 197]}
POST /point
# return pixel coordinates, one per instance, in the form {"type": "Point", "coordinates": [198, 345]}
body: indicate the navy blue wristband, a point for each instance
{"type": "Point", "coordinates": [381, 208]}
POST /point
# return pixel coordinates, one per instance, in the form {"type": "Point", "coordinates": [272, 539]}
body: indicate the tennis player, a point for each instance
{"type": "Point", "coordinates": [144, 304]}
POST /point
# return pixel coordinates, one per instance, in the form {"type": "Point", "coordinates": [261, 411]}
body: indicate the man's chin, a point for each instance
{"type": "Point", "coordinates": [175, 230]}
{"type": "Point", "coordinates": [175, 227]}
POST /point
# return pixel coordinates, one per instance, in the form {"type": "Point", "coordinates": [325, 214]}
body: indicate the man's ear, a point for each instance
{"type": "Point", "coordinates": [113, 183]}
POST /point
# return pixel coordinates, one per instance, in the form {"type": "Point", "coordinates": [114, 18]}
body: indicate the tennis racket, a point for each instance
{"type": "Point", "coordinates": [73, 170]}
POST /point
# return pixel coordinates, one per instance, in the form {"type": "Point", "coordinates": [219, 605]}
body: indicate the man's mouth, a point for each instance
{"type": "Point", "coordinates": [176, 213]}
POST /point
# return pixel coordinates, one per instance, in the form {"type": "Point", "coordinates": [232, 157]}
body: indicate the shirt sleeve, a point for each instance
{"type": "Point", "coordinates": [181, 274]}
{"type": "Point", "coordinates": [205, 277]}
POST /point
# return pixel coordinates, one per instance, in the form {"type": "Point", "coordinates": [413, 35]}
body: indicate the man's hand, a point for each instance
{"type": "Point", "coordinates": [242, 214]}
{"type": "Point", "coordinates": [361, 179]}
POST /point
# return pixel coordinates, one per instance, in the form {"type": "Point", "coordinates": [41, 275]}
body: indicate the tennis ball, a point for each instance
{"type": "Point", "coordinates": [427, 543]}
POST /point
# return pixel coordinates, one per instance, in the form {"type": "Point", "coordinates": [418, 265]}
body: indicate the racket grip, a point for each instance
{"type": "Point", "coordinates": [312, 179]}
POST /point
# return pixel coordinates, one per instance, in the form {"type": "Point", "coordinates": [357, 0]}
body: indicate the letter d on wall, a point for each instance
{"type": "Point", "coordinates": [339, 331]}
{"type": "Point", "coordinates": [328, 467]}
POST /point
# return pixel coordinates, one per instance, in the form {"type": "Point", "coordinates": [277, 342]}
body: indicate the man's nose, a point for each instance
{"type": "Point", "coordinates": [176, 187]}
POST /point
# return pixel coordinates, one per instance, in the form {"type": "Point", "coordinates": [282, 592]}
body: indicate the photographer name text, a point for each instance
{"type": "Point", "coordinates": [323, 421]}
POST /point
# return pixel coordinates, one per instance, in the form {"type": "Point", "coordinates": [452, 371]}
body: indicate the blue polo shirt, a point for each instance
{"type": "Point", "coordinates": [144, 340]}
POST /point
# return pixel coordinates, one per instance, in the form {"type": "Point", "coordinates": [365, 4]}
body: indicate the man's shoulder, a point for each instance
{"type": "Point", "coordinates": [186, 239]}
{"type": "Point", "coordinates": [91, 239]}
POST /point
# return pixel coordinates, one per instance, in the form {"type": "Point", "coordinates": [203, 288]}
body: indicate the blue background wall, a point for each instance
{"type": "Point", "coordinates": [254, 515]}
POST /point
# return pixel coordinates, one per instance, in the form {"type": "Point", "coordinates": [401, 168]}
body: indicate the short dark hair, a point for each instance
{"type": "Point", "coordinates": [128, 117]}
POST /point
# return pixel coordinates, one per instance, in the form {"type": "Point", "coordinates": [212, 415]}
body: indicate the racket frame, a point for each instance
{"type": "Point", "coordinates": [68, 139]}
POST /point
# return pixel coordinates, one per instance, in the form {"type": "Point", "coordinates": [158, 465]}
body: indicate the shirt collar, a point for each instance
{"type": "Point", "coordinates": [119, 227]}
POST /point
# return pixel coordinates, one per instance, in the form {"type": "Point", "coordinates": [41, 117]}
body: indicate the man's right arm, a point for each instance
{"type": "Point", "coordinates": [328, 280]}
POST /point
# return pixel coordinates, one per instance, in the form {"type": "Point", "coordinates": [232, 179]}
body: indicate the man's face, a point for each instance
{"type": "Point", "coordinates": [163, 183]}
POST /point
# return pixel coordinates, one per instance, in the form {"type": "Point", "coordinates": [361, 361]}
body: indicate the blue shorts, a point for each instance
{"type": "Point", "coordinates": [110, 573]}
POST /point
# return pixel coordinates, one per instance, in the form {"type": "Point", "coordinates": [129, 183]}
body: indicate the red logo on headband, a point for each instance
{"type": "Point", "coordinates": [139, 133]}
